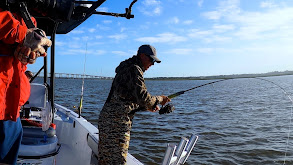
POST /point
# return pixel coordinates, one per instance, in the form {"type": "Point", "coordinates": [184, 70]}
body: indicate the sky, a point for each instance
{"type": "Point", "coordinates": [192, 38]}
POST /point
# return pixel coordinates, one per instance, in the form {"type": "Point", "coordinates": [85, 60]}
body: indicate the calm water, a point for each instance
{"type": "Point", "coordinates": [240, 121]}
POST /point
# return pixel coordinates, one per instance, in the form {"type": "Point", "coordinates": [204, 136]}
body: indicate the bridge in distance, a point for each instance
{"type": "Point", "coordinates": [74, 76]}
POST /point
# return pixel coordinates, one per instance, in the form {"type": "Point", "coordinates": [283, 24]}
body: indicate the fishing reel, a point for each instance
{"type": "Point", "coordinates": [167, 109]}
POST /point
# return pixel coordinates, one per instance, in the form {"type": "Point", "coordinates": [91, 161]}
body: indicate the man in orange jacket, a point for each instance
{"type": "Point", "coordinates": [18, 47]}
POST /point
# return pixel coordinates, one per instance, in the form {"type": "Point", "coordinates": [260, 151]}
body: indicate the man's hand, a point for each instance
{"type": "Point", "coordinates": [34, 46]}
{"type": "Point", "coordinates": [165, 100]}
{"type": "Point", "coordinates": [25, 55]}
{"type": "Point", "coordinates": [156, 108]}
{"type": "Point", "coordinates": [37, 40]}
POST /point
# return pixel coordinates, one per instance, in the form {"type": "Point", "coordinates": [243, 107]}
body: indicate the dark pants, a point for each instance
{"type": "Point", "coordinates": [10, 140]}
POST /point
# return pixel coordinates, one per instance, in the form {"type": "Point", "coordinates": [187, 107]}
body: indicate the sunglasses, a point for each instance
{"type": "Point", "coordinates": [152, 60]}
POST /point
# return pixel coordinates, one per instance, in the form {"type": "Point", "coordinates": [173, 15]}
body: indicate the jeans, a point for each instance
{"type": "Point", "coordinates": [10, 140]}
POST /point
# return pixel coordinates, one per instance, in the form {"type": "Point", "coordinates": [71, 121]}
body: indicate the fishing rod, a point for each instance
{"type": "Point", "coordinates": [82, 86]}
{"type": "Point", "coordinates": [170, 107]}
{"type": "Point", "coordinates": [182, 92]}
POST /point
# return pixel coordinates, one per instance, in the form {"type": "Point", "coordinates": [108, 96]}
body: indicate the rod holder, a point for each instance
{"type": "Point", "coordinates": [189, 148]}
{"type": "Point", "coordinates": [169, 154]}
{"type": "Point", "coordinates": [175, 155]}
{"type": "Point", "coordinates": [180, 149]}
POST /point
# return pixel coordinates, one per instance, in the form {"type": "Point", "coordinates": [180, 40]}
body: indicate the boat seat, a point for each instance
{"type": "Point", "coordinates": [37, 144]}
{"type": "Point", "coordinates": [31, 131]}
{"type": "Point", "coordinates": [37, 97]}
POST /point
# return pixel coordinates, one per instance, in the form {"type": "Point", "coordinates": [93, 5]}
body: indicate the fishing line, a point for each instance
{"type": "Point", "coordinates": [285, 92]}
{"type": "Point", "coordinates": [82, 86]}
{"type": "Point", "coordinates": [170, 108]}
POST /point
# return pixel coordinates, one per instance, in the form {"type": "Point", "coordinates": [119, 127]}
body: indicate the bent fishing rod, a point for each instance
{"type": "Point", "coordinates": [169, 107]}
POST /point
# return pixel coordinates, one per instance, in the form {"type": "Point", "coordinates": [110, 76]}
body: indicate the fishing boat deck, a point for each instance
{"type": "Point", "coordinates": [76, 135]}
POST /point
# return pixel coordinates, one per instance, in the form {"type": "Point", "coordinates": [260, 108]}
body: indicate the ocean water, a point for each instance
{"type": "Point", "coordinates": [240, 121]}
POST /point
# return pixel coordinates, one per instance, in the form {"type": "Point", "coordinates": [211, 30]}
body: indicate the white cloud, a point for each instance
{"type": "Point", "coordinates": [102, 27]}
{"type": "Point", "coordinates": [205, 50]}
{"type": "Point", "coordinates": [215, 15]}
{"type": "Point", "coordinates": [188, 22]}
{"type": "Point", "coordinates": [157, 11]}
{"type": "Point", "coordinates": [180, 51]}
{"type": "Point", "coordinates": [216, 34]}
{"type": "Point", "coordinates": [151, 7]}
{"type": "Point", "coordinates": [77, 31]}
{"type": "Point", "coordinates": [253, 25]}
{"type": "Point", "coordinates": [197, 33]}
{"type": "Point", "coordinates": [98, 37]}
{"type": "Point", "coordinates": [267, 4]}
{"type": "Point", "coordinates": [99, 52]}
{"type": "Point", "coordinates": [174, 20]}
{"type": "Point", "coordinates": [199, 3]}
{"type": "Point", "coordinates": [75, 51]}
{"type": "Point", "coordinates": [225, 8]}
{"type": "Point", "coordinates": [59, 43]}
{"type": "Point", "coordinates": [91, 30]}
{"type": "Point", "coordinates": [122, 29]}
{"type": "Point", "coordinates": [273, 22]}
{"type": "Point", "coordinates": [85, 38]}
{"type": "Point", "coordinates": [163, 38]}
{"type": "Point", "coordinates": [217, 38]}
{"type": "Point", "coordinates": [107, 21]}
{"type": "Point", "coordinates": [118, 36]}
{"type": "Point", "coordinates": [151, 2]}
{"type": "Point", "coordinates": [92, 44]}
{"type": "Point", "coordinates": [120, 53]}
{"type": "Point", "coordinates": [76, 38]}
{"type": "Point", "coordinates": [74, 46]}
{"type": "Point", "coordinates": [223, 28]}
{"type": "Point", "coordinates": [103, 9]}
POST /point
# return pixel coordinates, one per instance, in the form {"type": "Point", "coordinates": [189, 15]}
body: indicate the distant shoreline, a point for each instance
{"type": "Point", "coordinates": [234, 76]}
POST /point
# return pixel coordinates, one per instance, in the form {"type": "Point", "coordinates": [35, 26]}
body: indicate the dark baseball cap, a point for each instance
{"type": "Point", "coordinates": [149, 51]}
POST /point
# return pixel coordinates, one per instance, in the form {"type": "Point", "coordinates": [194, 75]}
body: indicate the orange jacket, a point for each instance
{"type": "Point", "coordinates": [14, 85]}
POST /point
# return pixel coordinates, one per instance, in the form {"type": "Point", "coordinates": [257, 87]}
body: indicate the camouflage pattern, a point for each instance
{"type": "Point", "coordinates": [128, 93]}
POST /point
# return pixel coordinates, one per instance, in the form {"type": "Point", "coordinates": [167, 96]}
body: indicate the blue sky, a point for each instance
{"type": "Point", "coordinates": [192, 38]}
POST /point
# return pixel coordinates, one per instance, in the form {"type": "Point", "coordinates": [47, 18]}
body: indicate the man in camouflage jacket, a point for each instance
{"type": "Point", "coordinates": [128, 93]}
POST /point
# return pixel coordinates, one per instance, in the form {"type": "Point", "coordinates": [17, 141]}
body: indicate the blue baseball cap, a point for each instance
{"type": "Point", "coordinates": [149, 51]}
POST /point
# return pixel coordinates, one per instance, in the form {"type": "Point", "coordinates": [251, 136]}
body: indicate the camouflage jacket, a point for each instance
{"type": "Point", "coordinates": [129, 87]}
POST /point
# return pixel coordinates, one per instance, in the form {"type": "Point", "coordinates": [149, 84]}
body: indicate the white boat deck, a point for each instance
{"type": "Point", "coordinates": [75, 135]}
